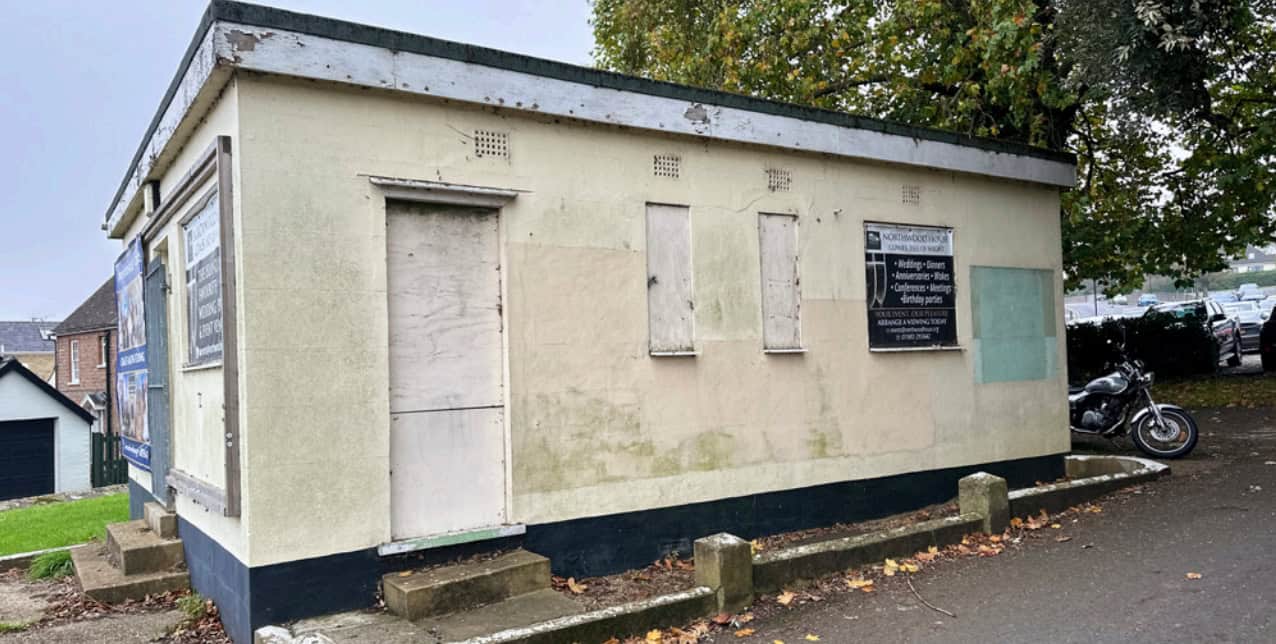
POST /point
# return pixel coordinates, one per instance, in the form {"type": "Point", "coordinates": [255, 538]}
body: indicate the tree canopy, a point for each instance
{"type": "Point", "coordinates": [1169, 105]}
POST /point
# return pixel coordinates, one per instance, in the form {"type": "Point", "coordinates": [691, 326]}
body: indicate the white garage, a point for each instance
{"type": "Point", "coordinates": [44, 436]}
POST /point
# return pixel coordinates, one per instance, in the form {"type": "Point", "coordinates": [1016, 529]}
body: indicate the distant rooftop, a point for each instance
{"type": "Point", "coordinates": [97, 312]}
{"type": "Point", "coordinates": [26, 336]}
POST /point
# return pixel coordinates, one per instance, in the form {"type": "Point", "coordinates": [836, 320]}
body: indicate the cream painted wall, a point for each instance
{"type": "Point", "coordinates": [598, 426]}
{"type": "Point", "coordinates": [195, 394]}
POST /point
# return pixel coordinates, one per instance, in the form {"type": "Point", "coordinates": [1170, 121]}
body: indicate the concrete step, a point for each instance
{"type": "Point", "coordinates": [438, 591]}
{"type": "Point", "coordinates": [159, 520]}
{"type": "Point", "coordinates": [101, 580]}
{"type": "Point", "coordinates": [137, 550]}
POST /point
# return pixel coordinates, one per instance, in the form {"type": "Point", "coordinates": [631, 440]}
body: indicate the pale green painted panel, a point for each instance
{"type": "Point", "coordinates": [1013, 313]}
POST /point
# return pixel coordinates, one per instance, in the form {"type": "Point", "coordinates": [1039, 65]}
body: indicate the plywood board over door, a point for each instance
{"type": "Point", "coordinates": [447, 437]}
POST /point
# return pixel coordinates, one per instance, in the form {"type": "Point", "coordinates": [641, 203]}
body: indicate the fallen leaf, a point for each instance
{"type": "Point", "coordinates": [933, 550]}
{"type": "Point", "coordinates": [926, 557]}
{"type": "Point", "coordinates": [744, 632]}
{"type": "Point", "coordinates": [654, 635]}
{"type": "Point", "coordinates": [575, 587]}
{"type": "Point", "coordinates": [1056, 526]}
{"type": "Point", "coordinates": [1062, 539]}
{"type": "Point", "coordinates": [721, 619]}
{"type": "Point", "coordinates": [744, 618]}
{"type": "Point", "coordinates": [612, 640]}
{"type": "Point", "coordinates": [406, 573]}
{"type": "Point", "coordinates": [785, 598]}
{"type": "Point", "coordinates": [996, 538]}
{"type": "Point", "coordinates": [909, 567]}
{"type": "Point", "coordinates": [1193, 575]}
{"type": "Point", "coordinates": [811, 638]}
{"type": "Point", "coordinates": [860, 584]}
{"type": "Point", "coordinates": [756, 546]}
{"type": "Point", "coordinates": [777, 641]}
{"type": "Point", "coordinates": [1016, 522]}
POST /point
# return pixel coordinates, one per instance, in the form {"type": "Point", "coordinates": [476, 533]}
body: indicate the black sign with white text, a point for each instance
{"type": "Point", "coordinates": [911, 296]}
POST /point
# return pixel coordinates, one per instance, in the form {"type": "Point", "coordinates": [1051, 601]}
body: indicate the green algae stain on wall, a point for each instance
{"type": "Point", "coordinates": [1013, 314]}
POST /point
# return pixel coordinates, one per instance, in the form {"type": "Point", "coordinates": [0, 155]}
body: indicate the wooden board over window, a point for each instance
{"type": "Point", "coordinates": [670, 296]}
{"type": "Point", "coordinates": [781, 284]}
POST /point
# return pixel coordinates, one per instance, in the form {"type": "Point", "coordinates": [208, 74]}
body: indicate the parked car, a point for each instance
{"type": "Point", "coordinates": [1267, 344]}
{"type": "Point", "coordinates": [1234, 309]}
{"type": "Point", "coordinates": [1251, 323]}
{"type": "Point", "coordinates": [1226, 331]}
{"type": "Point", "coordinates": [1266, 306]}
{"type": "Point", "coordinates": [1253, 296]}
{"type": "Point", "coordinates": [1223, 297]}
{"type": "Point", "coordinates": [1246, 288]}
{"type": "Point", "coordinates": [1148, 299]}
{"type": "Point", "coordinates": [1120, 300]}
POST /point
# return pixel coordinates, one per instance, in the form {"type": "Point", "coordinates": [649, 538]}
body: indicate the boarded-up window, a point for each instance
{"type": "Point", "coordinates": [781, 285]}
{"type": "Point", "coordinates": [1013, 314]}
{"type": "Point", "coordinates": [670, 300]}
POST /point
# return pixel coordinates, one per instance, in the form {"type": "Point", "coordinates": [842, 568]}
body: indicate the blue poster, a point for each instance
{"type": "Point", "coordinates": [130, 373]}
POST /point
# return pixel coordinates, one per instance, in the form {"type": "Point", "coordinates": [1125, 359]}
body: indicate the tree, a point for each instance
{"type": "Point", "coordinates": [1169, 105]}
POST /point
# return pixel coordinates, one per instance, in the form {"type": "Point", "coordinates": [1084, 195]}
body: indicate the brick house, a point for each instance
{"type": "Point", "coordinates": [85, 354]}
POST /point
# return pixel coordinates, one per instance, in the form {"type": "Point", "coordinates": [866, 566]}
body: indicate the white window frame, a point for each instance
{"type": "Point", "coordinates": [75, 362]}
{"type": "Point", "coordinates": [102, 351]}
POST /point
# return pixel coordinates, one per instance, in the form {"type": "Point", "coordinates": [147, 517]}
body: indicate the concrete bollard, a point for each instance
{"type": "Point", "coordinates": [724, 563]}
{"type": "Point", "coordinates": [988, 496]}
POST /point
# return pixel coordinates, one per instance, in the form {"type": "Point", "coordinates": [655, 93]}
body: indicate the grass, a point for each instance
{"type": "Point", "coordinates": [194, 606]}
{"type": "Point", "coordinates": [59, 524]}
{"type": "Point", "coordinates": [1230, 391]}
{"type": "Point", "coordinates": [51, 565]}
{"type": "Point", "coordinates": [12, 627]}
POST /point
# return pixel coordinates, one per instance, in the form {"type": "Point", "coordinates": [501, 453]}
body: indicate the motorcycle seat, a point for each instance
{"type": "Point", "coordinates": [1075, 390]}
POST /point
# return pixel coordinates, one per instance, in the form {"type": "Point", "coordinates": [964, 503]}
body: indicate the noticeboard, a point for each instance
{"type": "Point", "coordinates": [911, 294]}
{"type": "Point", "coordinates": [131, 369]}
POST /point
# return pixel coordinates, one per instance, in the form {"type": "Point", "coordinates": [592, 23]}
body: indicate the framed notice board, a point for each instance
{"type": "Point", "coordinates": [912, 302]}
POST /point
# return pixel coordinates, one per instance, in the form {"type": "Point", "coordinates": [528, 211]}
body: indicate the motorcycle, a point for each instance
{"type": "Point", "coordinates": [1121, 402]}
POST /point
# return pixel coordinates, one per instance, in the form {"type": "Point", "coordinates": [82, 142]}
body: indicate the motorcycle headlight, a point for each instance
{"type": "Point", "coordinates": [1147, 378]}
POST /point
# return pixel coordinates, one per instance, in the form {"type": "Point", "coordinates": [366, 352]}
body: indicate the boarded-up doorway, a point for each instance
{"type": "Point", "coordinates": [447, 428]}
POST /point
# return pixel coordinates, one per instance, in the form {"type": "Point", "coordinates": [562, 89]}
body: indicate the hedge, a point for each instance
{"type": "Point", "coordinates": [1171, 347]}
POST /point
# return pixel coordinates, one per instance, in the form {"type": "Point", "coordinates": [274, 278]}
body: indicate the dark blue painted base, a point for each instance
{"type": "Point", "coordinates": [138, 496]}
{"type": "Point", "coordinates": [251, 598]}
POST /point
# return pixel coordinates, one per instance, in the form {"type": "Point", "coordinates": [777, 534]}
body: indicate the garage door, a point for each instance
{"type": "Point", "coordinates": [26, 458]}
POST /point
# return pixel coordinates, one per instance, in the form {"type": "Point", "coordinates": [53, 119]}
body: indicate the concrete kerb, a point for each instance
{"type": "Point", "coordinates": [1092, 477]}
{"type": "Point", "coordinates": [22, 560]}
{"type": "Point", "coordinates": [772, 570]}
{"type": "Point", "coordinates": [633, 618]}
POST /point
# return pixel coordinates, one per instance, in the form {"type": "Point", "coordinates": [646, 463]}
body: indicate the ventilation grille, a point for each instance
{"type": "Point", "coordinates": [489, 144]}
{"type": "Point", "coordinates": [778, 180]}
{"type": "Point", "coordinates": [910, 193]}
{"type": "Point", "coordinates": [666, 165]}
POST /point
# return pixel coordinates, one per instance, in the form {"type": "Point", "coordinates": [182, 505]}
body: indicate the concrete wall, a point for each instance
{"type": "Point", "coordinates": [195, 393]}
{"type": "Point", "coordinates": [597, 425]}
{"type": "Point", "coordinates": [20, 399]}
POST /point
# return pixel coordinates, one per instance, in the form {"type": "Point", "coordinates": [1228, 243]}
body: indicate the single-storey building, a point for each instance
{"type": "Point", "coordinates": [385, 298]}
{"type": "Point", "coordinates": [44, 436]}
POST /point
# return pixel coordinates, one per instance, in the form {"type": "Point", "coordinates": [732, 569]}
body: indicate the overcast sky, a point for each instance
{"type": "Point", "coordinates": [81, 79]}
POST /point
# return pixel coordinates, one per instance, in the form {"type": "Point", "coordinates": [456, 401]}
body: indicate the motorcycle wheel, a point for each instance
{"type": "Point", "coordinates": [1175, 440]}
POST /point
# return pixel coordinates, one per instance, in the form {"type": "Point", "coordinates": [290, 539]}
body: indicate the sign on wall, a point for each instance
{"type": "Point", "coordinates": [911, 296]}
{"type": "Point", "coordinates": [204, 284]}
{"type": "Point", "coordinates": [131, 371]}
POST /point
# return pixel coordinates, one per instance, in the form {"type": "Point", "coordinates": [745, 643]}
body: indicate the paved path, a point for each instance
{"type": "Point", "coordinates": [1215, 516]}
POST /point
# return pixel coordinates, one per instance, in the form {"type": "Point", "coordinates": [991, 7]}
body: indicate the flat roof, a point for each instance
{"type": "Point", "coordinates": [239, 13]}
